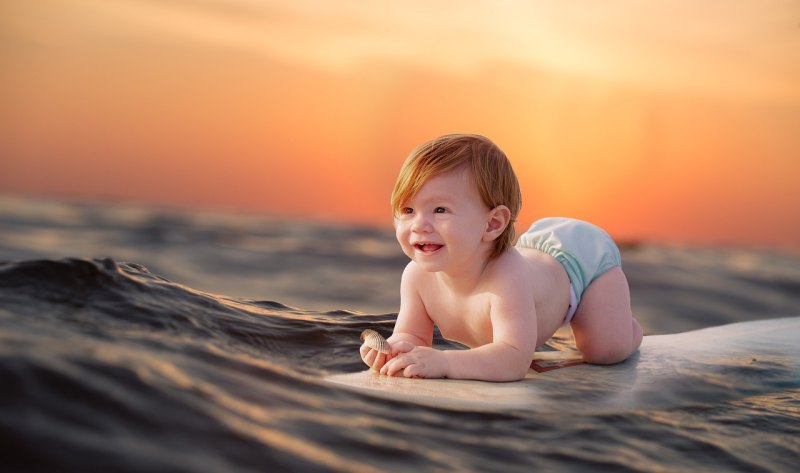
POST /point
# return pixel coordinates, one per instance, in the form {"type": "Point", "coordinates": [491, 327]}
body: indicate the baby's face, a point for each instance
{"type": "Point", "coordinates": [442, 226]}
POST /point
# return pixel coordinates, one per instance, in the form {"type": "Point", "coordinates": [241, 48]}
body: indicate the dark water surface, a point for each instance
{"type": "Point", "coordinates": [119, 352]}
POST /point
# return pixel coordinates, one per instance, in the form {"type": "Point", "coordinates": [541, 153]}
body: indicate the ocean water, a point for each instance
{"type": "Point", "coordinates": [142, 339]}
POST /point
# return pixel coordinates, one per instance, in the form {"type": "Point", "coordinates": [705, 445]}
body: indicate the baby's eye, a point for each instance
{"type": "Point", "coordinates": [406, 210]}
{"type": "Point", "coordinates": [439, 210]}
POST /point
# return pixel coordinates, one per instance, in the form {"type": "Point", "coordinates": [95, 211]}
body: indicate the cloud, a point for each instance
{"type": "Point", "coordinates": [734, 49]}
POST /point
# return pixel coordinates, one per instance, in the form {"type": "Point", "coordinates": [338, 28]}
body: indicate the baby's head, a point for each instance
{"type": "Point", "coordinates": [491, 173]}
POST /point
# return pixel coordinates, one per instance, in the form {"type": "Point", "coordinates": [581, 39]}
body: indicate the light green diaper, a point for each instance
{"type": "Point", "coordinates": [586, 251]}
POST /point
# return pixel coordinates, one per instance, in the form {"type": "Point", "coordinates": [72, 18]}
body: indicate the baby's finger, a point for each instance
{"type": "Point", "coordinates": [365, 350]}
{"type": "Point", "coordinates": [386, 366]}
{"type": "Point", "coordinates": [369, 357]}
{"type": "Point", "coordinates": [412, 371]}
{"type": "Point", "coordinates": [397, 364]}
{"type": "Point", "coordinates": [379, 361]}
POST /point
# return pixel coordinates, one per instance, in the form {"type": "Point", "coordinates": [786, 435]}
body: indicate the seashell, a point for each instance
{"type": "Point", "coordinates": [375, 341]}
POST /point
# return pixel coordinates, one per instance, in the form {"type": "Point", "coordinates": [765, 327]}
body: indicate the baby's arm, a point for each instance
{"type": "Point", "coordinates": [514, 333]}
{"type": "Point", "coordinates": [506, 358]}
{"type": "Point", "coordinates": [413, 324]}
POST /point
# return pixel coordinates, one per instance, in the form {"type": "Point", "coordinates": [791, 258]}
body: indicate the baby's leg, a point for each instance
{"type": "Point", "coordinates": [604, 327]}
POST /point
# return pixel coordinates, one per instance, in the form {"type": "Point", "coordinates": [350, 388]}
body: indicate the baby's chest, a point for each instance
{"type": "Point", "coordinates": [468, 323]}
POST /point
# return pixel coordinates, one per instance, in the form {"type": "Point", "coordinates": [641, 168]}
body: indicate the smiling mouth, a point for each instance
{"type": "Point", "coordinates": [427, 247]}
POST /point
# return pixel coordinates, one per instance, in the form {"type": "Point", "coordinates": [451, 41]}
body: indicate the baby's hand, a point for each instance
{"type": "Point", "coordinates": [375, 350]}
{"type": "Point", "coordinates": [415, 362]}
{"type": "Point", "coordinates": [372, 357]}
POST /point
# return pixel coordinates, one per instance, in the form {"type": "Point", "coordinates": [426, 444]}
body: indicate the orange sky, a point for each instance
{"type": "Point", "coordinates": [660, 120]}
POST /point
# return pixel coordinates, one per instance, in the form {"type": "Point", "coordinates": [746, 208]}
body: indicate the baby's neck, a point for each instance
{"type": "Point", "coordinates": [466, 279]}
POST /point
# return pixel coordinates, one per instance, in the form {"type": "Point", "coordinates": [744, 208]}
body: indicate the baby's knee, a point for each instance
{"type": "Point", "coordinates": [607, 357]}
{"type": "Point", "coordinates": [637, 334]}
{"type": "Point", "coordinates": [606, 353]}
{"type": "Point", "coordinates": [610, 346]}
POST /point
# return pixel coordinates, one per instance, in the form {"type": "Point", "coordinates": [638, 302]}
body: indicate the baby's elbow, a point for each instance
{"type": "Point", "coordinates": [520, 374]}
{"type": "Point", "coordinates": [517, 367]}
{"type": "Point", "coordinates": [515, 371]}
{"type": "Point", "coordinates": [506, 376]}
{"type": "Point", "coordinates": [507, 363]}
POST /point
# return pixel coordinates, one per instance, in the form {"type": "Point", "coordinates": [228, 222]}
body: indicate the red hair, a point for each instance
{"type": "Point", "coordinates": [491, 171]}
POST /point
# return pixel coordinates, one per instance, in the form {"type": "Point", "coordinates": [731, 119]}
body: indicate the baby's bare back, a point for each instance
{"type": "Point", "coordinates": [550, 285]}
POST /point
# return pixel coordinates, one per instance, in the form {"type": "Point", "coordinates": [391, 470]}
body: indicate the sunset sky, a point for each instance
{"type": "Point", "coordinates": [673, 121]}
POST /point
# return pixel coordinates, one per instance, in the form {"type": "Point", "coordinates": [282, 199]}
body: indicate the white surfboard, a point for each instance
{"type": "Point", "coordinates": [694, 368]}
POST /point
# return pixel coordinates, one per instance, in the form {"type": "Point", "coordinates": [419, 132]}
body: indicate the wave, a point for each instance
{"type": "Point", "coordinates": [108, 366]}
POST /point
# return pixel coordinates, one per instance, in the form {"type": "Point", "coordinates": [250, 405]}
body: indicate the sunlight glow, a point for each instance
{"type": "Point", "coordinates": [667, 120]}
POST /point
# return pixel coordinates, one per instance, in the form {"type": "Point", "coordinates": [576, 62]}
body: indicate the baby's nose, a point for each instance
{"type": "Point", "coordinates": [421, 223]}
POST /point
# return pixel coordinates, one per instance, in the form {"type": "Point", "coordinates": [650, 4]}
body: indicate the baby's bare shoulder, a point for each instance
{"type": "Point", "coordinates": [509, 266]}
{"type": "Point", "coordinates": [413, 272]}
{"type": "Point", "coordinates": [414, 277]}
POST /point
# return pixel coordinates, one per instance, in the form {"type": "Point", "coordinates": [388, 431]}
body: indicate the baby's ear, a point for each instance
{"type": "Point", "coordinates": [499, 217]}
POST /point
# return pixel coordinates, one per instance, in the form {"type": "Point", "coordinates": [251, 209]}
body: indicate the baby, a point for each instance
{"type": "Point", "coordinates": [454, 203]}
